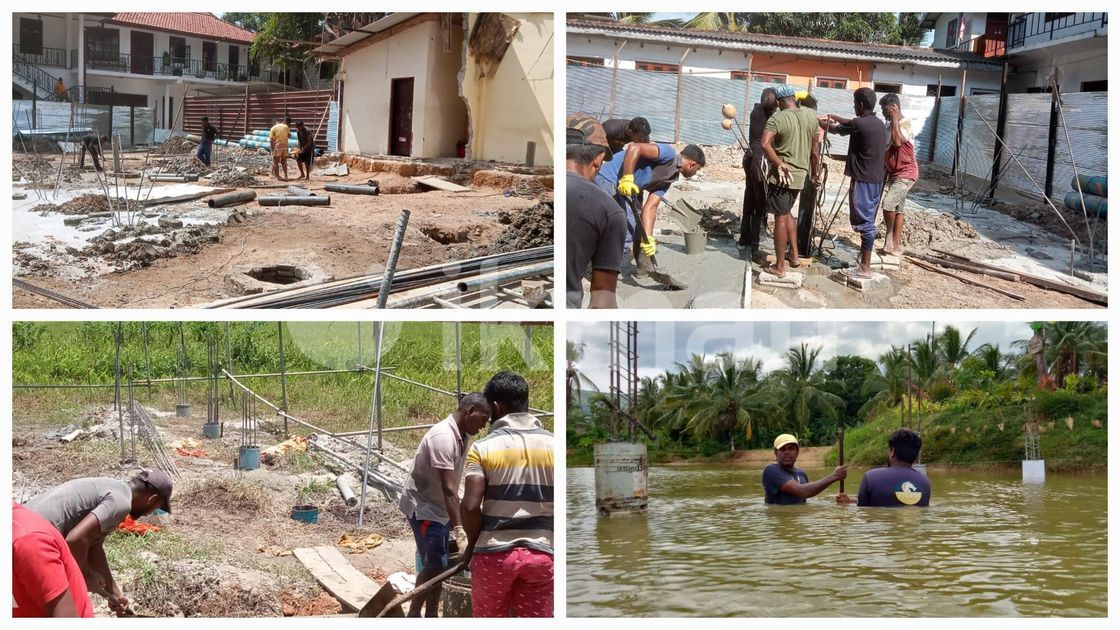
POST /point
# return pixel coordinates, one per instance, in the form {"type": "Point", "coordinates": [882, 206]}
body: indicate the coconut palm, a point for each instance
{"type": "Point", "coordinates": [574, 377]}
{"type": "Point", "coordinates": [719, 22]}
{"type": "Point", "coordinates": [992, 360]}
{"type": "Point", "coordinates": [635, 19]}
{"type": "Point", "coordinates": [1069, 344]}
{"type": "Point", "coordinates": [800, 383]}
{"type": "Point", "coordinates": [928, 363]}
{"type": "Point", "coordinates": [886, 386]}
{"type": "Point", "coordinates": [730, 400]}
{"type": "Point", "coordinates": [952, 347]}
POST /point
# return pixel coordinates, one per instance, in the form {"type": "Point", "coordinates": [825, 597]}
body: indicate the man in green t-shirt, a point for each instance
{"type": "Point", "coordinates": [788, 143]}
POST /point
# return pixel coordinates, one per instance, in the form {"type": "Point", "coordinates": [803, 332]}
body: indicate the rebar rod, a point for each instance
{"type": "Point", "coordinates": [373, 410]}
{"type": "Point", "coordinates": [391, 264]}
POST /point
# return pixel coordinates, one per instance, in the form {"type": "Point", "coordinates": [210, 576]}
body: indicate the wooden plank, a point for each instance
{"type": "Point", "coordinates": [1002, 275]}
{"type": "Point", "coordinates": [432, 181]}
{"type": "Point", "coordinates": [1038, 281]}
{"type": "Point", "coordinates": [348, 585]}
{"type": "Point", "coordinates": [966, 280]}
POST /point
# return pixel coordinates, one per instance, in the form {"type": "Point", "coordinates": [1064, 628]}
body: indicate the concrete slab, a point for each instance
{"type": "Point", "coordinates": [877, 281]}
{"type": "Point", "coordinates": [792, 279]}
{"type": "Point", "coordinates": [171, 224]}
{"type": "Point", "coordinates": [715, 278]}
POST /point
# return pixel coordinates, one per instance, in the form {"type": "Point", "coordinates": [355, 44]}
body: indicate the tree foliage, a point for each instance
{"type": "Point", "coordinates": [878, 28]}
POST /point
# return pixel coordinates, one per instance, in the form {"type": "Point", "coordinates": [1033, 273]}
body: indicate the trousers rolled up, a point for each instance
{"type": "Point", "coordinates": [863, 203]}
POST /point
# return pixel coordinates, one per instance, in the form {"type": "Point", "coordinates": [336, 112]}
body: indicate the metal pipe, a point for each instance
{"type": "Point", "coordinates": [185, 379]}
{"type": "Point", "coordinates": [351, 189]}
{"type": "Point", "coordinates": [372, 474]}
{"type": "Point", "coordinates": [292, 200]}
{"type": "Point", "coordinates": [374, 410]}
{"type": "Point", "coordinates": [345, 491]}
{"type": "Point", "coordinates": [414, 427]}
{"type": "Point", "coordinates": [228, 199]}
{"type": "Point", "coordinates": [163, 177]}
{"type": "Point", "coordinates": [300, 191]}
{"type": "Point", "coordinates": [283, 379]}
{"type": "Point", "coordinates": [518, 273]}
{"type": "Point", "coordinates": [391, 267]}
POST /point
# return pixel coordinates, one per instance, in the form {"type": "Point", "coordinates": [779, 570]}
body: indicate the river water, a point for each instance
{"type": "Point", "coordinates": [989, 545]}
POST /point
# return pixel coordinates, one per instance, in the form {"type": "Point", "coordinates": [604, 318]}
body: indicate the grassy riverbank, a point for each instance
{"type": "Point", "coordinates": [962, 431]}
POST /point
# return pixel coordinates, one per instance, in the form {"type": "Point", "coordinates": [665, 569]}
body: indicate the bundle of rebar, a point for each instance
{"type": "Point", "coordinates": [149, 434]}
{"type": "Point", "coordinates": [212, 393]}
{"type": "Point", "coordinates": [249, 423]}
{"type": "Point", "coordinates": [359, 288]}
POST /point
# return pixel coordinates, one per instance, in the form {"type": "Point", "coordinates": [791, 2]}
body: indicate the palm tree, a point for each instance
{"type": "Point", "coordinates": [719, 22]}
{"type": "Point", "coordinates": [886, 386]}
{"type": "Point", "coordinates": [952, 347]}
{"type": "Point", "coordinates": [928, 363]}
{"type": "Point", "coordinates": [636, 19]}
{"type": "Point", "coordinates": [801, 385]}
{"type": "Point", "coordinates": [574, 376]}
{"type": "Point", "coordinates": [992, 360]}
{"type": "Point", "coordinates": [730, 399]}
{"type": "Point", "coordinates": [1068, 344]}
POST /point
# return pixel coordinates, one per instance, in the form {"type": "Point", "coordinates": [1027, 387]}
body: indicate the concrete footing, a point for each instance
{"type": "Point", "coordinates": [885, 262]}
{"type": "Point", "coordinates": [876, 281]}
{"type": "Point", "coordinates": [792, 279]}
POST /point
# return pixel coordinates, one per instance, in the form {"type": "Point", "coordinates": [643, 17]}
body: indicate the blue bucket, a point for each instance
{"type": "Point", "coordinates": [306, 514]}
{"type": "Point", "coordinates": [213, 431]}
{"type": "Point", "coordinates": [249, 457]}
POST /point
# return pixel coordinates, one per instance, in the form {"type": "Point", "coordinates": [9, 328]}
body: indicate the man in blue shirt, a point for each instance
{"type": "Point", "coordinates": [897, 485]}
{"type": "Point", "coordinates": [784, 483]}
{"type": "Point", "coordinates": [647, 167]}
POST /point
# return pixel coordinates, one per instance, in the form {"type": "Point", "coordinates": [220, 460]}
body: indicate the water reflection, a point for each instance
{"type": "Point", "coordinates": [989, 546]}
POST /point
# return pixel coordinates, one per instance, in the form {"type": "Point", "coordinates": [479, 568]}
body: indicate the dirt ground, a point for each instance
{"type": "Point", "coordinates": [150, 266]}
{"type": "Point", "coordinates": [975, 232]}
{"type": "Point", "coordinates": [225, 550]}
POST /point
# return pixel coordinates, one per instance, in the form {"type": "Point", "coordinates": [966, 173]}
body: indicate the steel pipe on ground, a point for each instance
{"type": "Point", "coordinates": [345, 491]}
{"type": "Point", "coordinates": [292, 200]}
{"type": "Point", "coordinates": [163, 177]}
{"type": "Point", "coordinates": [300, 191]}
{"type": "Point", "coordinates": [351, 189]}
{"type": "Point", "coordinates": [228, 199]}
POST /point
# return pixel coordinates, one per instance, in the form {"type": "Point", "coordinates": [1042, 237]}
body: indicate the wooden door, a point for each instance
{"type": "Point", "coordinates": [143, 52]}
{"type": "Point", "coordinates": [400, 117]}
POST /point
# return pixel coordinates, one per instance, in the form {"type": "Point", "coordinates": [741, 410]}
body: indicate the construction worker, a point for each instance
{"type": "Point", "coordinates": [754, 164]}
{"type": "Point", "coordinates": [621, 132]}
{"type": "Point", "coordinates": [85, 511]}
{"type": "Point", "coordinates": [209, 133]}
{"type": "Point", "coordinates": [866, 149]}
{"type": "Point", "coordinates": [305, 156]}
{"type": "Point", "coordinates": [899, 484]}
{"type": "Point", "coordinates": [60, 89]}
{"type": "Point", "coordinates": [590, 126]}
{"type": "Point", "coordinates": [783, 483]}
{"type": "Point", "coordinates": [596, 226]}
{"type": "Point", "coordinates": [788, 143]}
{"type": "Point", "coordinates": [807, 201]}
{"type": "Point", "coordinates": [646, 167]}
{"type": "Point", "coordinates": [91, 143]}
{"type": "Point", "coordinates": [902, 170]}
{"type": "Point", "coordinates": [507, 507]}
{"type": "Point", "coordinates": [278, 141]}
{"type": "Point", "coordinates": [430, 500]}
{"type": "Point", "coordinates": [46, 582]}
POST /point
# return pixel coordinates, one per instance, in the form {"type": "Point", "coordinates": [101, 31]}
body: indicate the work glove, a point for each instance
{"type": "Point", "coordinates": [626, 186]}
{"type": "Point", "coordinates": [459, 535]}
{"type": "Point", "coordinates": [648, 246]}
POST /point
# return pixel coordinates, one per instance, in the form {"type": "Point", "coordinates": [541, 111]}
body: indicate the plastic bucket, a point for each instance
{"type": "Point", "coordinates": [249, 457]}
{"type": "Point", "coordinates": [456, 597]}
{"type": "Point", "coordinates": [213, 431]}
{"type": "Point", "coordinates": [183, 411]}
{"type": "Point", "coordinates": [306, 514]}
{"type": "Point", "coordinates": [695, 242]}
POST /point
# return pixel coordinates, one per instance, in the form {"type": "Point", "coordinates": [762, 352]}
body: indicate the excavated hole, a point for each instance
{"type": "Point", "coordinates": [279, 274]}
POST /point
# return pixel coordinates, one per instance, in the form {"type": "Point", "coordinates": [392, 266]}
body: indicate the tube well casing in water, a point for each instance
{"type": "Point", "coordinates": [621, 478]}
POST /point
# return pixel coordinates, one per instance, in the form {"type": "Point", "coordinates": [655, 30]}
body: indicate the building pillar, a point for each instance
{"type": "Point", "coordinates": [69, 34]}
{"type": "Point", "coordinates": [81, 55]}
{"type": "Point", "coordinates": [167, 106]}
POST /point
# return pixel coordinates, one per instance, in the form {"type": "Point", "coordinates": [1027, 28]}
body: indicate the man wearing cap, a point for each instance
{"type": "Point", "coordinates": [899, 484]}
{"type": "Point", "coordinates": [788, 143]}
{"type": "Point", "coordinates": [784, 483]}
{"type": "Point", "coordinates": [596, 226]}
{"type": "Point", "coordinates": [87, 510]}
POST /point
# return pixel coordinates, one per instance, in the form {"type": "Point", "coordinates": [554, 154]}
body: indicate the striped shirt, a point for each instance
{"type": "Point", "coordinates": [515, 458]}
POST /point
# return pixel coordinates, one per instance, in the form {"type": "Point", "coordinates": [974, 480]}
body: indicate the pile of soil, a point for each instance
{"type": "Point", "coordinates": [528, 228]}
{"type": "Point", "coordinates": [927, 230]}
{"type": "Point", "coordinates": [182, 165]}
{"type": "Point", "coordinates": [723, 163]}
{"type": "Point", "coordinates": [194, 588]}
{"type": "Point", "coordinates": [140, 252]}
{"type": "Point", "coordinates": [177, 144]}
{"type": "Point", "coordinates": [232, 176]}
{"type": "Point", "coordinates": [34, 168]}
{"type": "Point", "coordinates": [294, 605]}
{"type": "Point", "coordinates": [85, 204]}
{"type": "Point", "coordinates": [225, 495]}
{"type": "Point", "coordinates": [36, 144]}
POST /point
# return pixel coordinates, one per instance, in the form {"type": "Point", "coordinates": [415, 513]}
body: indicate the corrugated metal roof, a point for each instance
{"type": "Point", "coordinates": [205, 25]}
{"type": "Point", "coordinates": [338, 46]}
{"type": "Point", "coordinates": [808, 46]}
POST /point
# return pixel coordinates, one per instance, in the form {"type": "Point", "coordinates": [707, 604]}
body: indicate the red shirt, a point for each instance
{"type": "Point", "coordinates": [900, 161]}
{"type": "Point", "coordinates": [42, 567]}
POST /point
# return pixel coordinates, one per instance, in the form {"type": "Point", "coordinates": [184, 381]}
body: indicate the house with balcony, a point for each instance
{"type": "Point", "coordinates": [147, 60]}
{"type": "Point", "coordinates": [805, 62]}
{"type": "Point", "coordinates": [1071, 47]}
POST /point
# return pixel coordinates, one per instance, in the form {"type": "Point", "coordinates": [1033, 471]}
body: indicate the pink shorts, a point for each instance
{"type": "Point", "coordinates": [514, 583]}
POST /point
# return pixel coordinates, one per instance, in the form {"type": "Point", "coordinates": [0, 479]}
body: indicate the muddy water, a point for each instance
{"type": "Point", "coordinates": [988, 546]}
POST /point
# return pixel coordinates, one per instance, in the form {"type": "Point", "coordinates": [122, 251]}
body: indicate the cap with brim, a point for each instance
{"type": "Point", "coordinates": [784, 91]}
{"type": "Point", "coordinates": [783, 440]}
{"type": "Point", "coordinates": [160, 482]}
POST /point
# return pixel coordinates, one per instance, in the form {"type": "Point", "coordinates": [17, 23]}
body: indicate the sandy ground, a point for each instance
{"type": "Point", "coordinates": [350, 237]}
{"type": "Point", "coordinates": [1017, 232]}
{"type": "Point", "coordinates": [224, 550]}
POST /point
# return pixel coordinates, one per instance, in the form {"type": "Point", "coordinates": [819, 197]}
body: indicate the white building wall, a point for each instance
{"type": "Point", "coordinates": [1036, 21]}
{"type": "Point", "coordinates": [700, 60]}
{"type": "Point", "coordinates": [975, 24]}
{"type": "Point", "coordinates": [916, 79]}
{"type": "Point", "coordinates": [1076, 63]}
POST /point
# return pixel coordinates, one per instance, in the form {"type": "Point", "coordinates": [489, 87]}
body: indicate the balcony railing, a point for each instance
{"type": "Point", "coordinates": [987, 45]}
{"type": "Point", "coordinates": [42, 82]}
{"type": "Point", "coordinates": [55, 57]}
{"type": "Point", "coordinates": [172, 66]}
{"type": "Point", "coordinates": [1051, 26]}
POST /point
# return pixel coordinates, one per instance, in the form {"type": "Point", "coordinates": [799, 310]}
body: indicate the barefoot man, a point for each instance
{"type": "Point", "coordinates": [902, 171]}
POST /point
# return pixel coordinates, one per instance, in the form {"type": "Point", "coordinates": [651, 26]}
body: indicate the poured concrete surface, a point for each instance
{"type": "Point", "coordinates": [715, 278]}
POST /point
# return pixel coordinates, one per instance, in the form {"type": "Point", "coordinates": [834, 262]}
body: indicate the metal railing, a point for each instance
{"type": "Point", "coordinates": [172, 66]}
{"type": "Point", "coordinates": [992, 44]}
{"type": "Point", "coordinates": [1051, 26]}
{"type": "Point", "coordinates": [55, 57]}
{"type": "Point", "coordinates": [42, 82]}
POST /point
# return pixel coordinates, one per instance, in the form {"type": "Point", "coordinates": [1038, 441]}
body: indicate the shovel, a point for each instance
{"type": "Point", "coordinates": [386, 603]}
{"type": "Point", "coordinates": [662, 278]}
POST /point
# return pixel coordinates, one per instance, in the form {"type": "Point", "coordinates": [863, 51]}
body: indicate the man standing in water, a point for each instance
{"type": "Point", "coordinates": [897, 485]}
{"type": "Point", "coordinates": [784, 483]}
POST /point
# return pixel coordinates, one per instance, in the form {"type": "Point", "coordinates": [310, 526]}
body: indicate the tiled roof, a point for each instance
{"type": "Point", "coordinates": [204, 25]}
{"type": "Point", "coordinates": [855, 50]}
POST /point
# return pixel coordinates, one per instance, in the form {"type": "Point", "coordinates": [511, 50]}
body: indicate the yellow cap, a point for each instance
{"type": "Point", "coordinates": [784, 439]}
{"type": "Point", "coordinates": [801, 94]}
